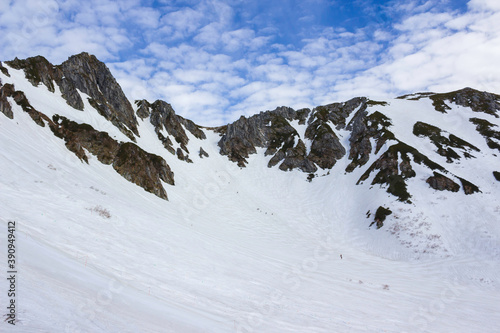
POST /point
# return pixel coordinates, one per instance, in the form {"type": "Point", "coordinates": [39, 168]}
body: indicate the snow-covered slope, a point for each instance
{"type": "Point", "coordinates": [254, 248]}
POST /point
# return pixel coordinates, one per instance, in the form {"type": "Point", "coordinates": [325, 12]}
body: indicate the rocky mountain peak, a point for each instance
{"type": "Point", "coordinates": [360, 130]}
{"type": "Point", "coordinates": [84, 73]}
{"type": "Point", "coordinates": [166, 122]}
{"type": "Point", "coordinates": [92, 77]}
{"type": "Point", "coordinates": [478, 101]}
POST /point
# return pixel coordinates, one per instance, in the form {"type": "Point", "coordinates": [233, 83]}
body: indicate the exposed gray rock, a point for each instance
{"type": "Point", "coordinates": [142, 109]}
{"type": "Point", "coordinates": [143, 168]}
{"type": "Point", "coordinates": [364, 127]}
{"type": "Point", "coordinates": [394, 175]}
{"type": "Point", "coordinates": [468, 187]}
{"type": "Point", "coordinates": [162, 116]}
{"type": "Point", "coordinates": [444, 144]}
{"type": "Point", "coordinates": [4, 70]}
{"type": "Point", "coordinates": [203, 153]}
{"type": "Point", "coordinates": [85, 73]}
{"type": "Point", "coordinates": [78, 135]}
{"type": "Point", "coordinates": [338, 112]}
{"type": "Point", "coordinates": [8, 90]}
{"type": "Point", "coordinates": [272, 130]}
{"type": "Point", "coordinates": [278, 157]}
{"type": "Point", "coordinates": [326, 148]}
{"type": "Point", "coordinates": [167, 143]}
{"type": "Point", "coordinates": [478, 101]}
{"type": "Point", "coordinates": [240, 138]}
{"type": "Point", "coordinates": [302, 115]}
{"type": "Point", "coordinates": [440, 182]}
{"type": "Point", "coordinates": [92, 77]}
{"type": "Point", "coordinates": [5, 106]}
{"type": "Point", "coordinates": [488, 131]}
{"type": "Point", "coordinates": [295, 158]}
{"type": "Point", "coordinates": [129, 160]}
{"type": "Point", "coordinates": [180, 154]}
{"type": "Point", "coordinates": [380, 216]}
{"type": "Point", "coordinates": [38, 70]}
{"type": "Point", "coordinates": [70, 94]}
{"type": "Point", "coordinates": [496, 174]}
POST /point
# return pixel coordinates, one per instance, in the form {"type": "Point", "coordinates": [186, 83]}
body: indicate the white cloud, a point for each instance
{"type": "Point", "coordinates": [479, 5]}
{"type": "Point", "coordinates": [145, 18]}
{"type": "Point", "coordinates": [212, 67]}
{"type": "Point", "coordinates": [182, 23]}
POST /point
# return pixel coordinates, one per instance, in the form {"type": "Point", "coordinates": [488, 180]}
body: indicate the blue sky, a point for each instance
{"type": "Point", "coordinates": [215, 60]}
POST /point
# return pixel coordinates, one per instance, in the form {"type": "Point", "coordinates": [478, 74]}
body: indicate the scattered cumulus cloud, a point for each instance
{"type": "Point", "coordinates": [215, 60]}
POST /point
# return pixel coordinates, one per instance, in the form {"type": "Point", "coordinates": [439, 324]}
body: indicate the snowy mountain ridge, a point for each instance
{"type": "Point", "coordinates": [413, 179]}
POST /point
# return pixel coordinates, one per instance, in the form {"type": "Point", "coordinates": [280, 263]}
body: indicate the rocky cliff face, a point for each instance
{"type": "Point", "coordinates": [84, 73]}
{"type": "Point", "coordinates": [5, 106]}
{"type": "Point", "coordinates": [162, 116]}
{"type": "Point", "coordinates": [129, 160]}
{"type": "Point", "coordinates": [357, 131]}
{"type": "Point", "coordinates": [273, 131]}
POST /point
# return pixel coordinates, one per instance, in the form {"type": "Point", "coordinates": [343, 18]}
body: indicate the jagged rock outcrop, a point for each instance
{"type": "Point", "coordinates": [272, 130]}
{"type": "Point", "coordinates": [4, 70]}
{"type": "Point", "coordinates": [92, 77]}
{"type": "Point", "coordinates": [203, 153]}
{"type": "Point", "coordinates": [162, 116]}
{"type": "Point", "coordinates": [142, 109]}
{"type": "Point", "coordinates": [294, 158]}
{"type": "Point", "coordinates": [283, 141]}
{"type": "Point", "coordinates": [240, 138]}
{"type": "Point", "coordinates": [5, 106]}
{"type": "Point", "coordinates": [380, 216]}
{"type": "Point", "coordinates": [292, 139]}
{"type": "Point", "coordinates": [39, 70]}
{"type": "Point", "coordinates": [444, 144]}
{"type": "Point", "coordinates": [394, 175]}
{"type": "Point", "coordinates": [338, 113]}
{"type": "Point", "coordinates": [487, 130]}
{"type": "Point", "coordinates": [85, 73]}
{"type": "Point", "coordinates": [364, 127]}
{"type": "Point", "coordinates": [478, 101]}
{"type": "Point", "coordinates": [326, 148]}
{"type": "Point", "coordinates": [129, 160]}
{"type": "Point", "coordinates": [468, 187]}
{"type": "Point", "coordinates": [440, 182]}
{"type": "Point", "coordinates": [143, 168]}
{"type": "Point", "coordinates": [8, 90]}
{"type": "Point", "coordinates": [78, 136]}
{"type": "Point", "coordinates": [496, 174]}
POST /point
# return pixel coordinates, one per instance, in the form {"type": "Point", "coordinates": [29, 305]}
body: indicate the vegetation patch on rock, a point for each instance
{"type": "Point", "coordinates": [4, 70]}
{"type": "Point", "coordinates": [5, 106]}
{"type": "Point", "coordinates": [365, 127]}
{"type": "Point", "coordinates": [496, 174]}
{"type": "Point", "coordinates": [380, 216]}
{"type": "Point", "coordinates": [394, 175]}
{"type": "Point", "coordinates": [468, 187]}
{"type": "Point", "coordinates": [128, 159]}
{"type": "Point", "coordinates": [440, 182]}
{"type": "Point", "coordinates": [162, 116]}
{"type": "Point", "coordinates": [478, 101]}
{"type": "Point", "coordinates": [83, 72]}
{"type": "Point", "coordinates": [8, 90]}
{"type": "Point", "coordinates": [486, 129]}
{"type": "Point", "coordinates": [444, 144]}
